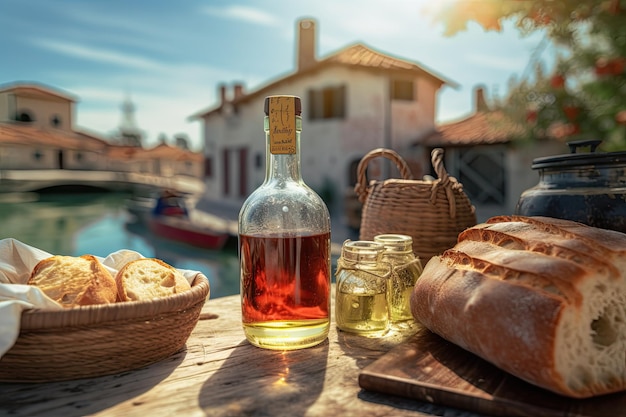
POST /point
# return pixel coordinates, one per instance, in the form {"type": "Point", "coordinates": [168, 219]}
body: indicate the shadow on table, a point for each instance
{"type": "Point", "coordinates": [261, 382]}
{"type": "Point", "coordinates": [365, 350]}
{"type": "Point", "coordinates": [78, 398]}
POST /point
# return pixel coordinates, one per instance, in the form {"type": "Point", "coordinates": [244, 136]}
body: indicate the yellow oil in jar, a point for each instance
{"type": "Point", "coordinates": [361, 294]}
{"type": "Point", "coordinates": [363, 313]}
{"type": "Point", "coordinates": [400, 289]}
{"type": "Point", "coordinates": [405, 270]}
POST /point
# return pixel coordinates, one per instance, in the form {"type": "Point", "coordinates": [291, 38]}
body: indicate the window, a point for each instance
{"type": "Point", "coordinates": [327, 103]}
{"type": "Point", "coordinates": [208, 167]}
{"type": "Point", "coordinates": [483, 173]}
{"type": "Point", "coordinates": [402, 90]}
{"type": "Point", "coordinates": [24, 116]}
{"type": "Point", "coordinates": [55, 120]}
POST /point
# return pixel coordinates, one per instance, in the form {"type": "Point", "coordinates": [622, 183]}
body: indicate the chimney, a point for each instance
{"type": "Point", "coordinates": [237, 91]}
{"type": "Point", "coordinates": [306, 53]}
{"type": "Point", "coordinates": [222, 94]}
{"type": "Point", "coordinates": [480, 104]}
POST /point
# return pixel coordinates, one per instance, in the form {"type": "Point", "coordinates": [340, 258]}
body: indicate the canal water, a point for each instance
{"type": "Point", "coordinates": [99, 224]}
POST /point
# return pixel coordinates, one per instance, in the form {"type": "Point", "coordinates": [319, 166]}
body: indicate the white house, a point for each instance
{"type": "Point", "coordinates": [353, 100]}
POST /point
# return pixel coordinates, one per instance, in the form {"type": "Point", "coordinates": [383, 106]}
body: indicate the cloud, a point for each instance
{"type": "Point", "coordinates": [98, 19]}
{"type": "Point", "coordinates": [95, 54]}
{"type": "Point", "coordinates": [243, 13]}
{"type": "Point", "coordinates": [163, 109]}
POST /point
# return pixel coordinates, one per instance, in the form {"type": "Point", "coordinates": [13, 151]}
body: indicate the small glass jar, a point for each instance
{"type": "Point", "coordinates": [361, 294]}
{"type": "Point", "coordinates": [405, 270]}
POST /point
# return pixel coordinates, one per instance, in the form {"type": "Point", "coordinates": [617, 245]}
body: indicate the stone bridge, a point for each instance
{"type": "Point", "coordinates": [37, 180]}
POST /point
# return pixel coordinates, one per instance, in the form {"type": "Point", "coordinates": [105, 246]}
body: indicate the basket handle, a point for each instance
{"type": "Point", "coordinates": [449, 183]}
{"type": "Point", "coordinates": [436, 157]}
{"type": "Point", "coordinates": [361, 185]}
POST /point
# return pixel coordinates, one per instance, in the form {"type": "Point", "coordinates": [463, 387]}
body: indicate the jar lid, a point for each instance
{"type": "Point", "coordinates": [395, 242]}
{"type": "Point", "coordinates": [362, 250]}
{"type": "Point", "coordinates": [576, 159]}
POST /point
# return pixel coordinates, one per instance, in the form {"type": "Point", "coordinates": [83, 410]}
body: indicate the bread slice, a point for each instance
{"type": "Point", "coordinates": [74, 281]}
{"type": "Point", "coordinates": [541, 298]}
{"type": "Point", "coordinates": [149, 278]}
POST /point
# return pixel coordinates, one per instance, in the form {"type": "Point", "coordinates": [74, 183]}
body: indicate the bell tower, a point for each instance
{"type": "Point", "coordinates": [129, 133]}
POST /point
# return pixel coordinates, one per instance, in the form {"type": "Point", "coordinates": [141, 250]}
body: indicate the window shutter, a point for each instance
{"type": "Point", "coordinates": [340, 102]}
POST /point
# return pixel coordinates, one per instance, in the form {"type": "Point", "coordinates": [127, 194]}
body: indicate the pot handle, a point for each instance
{"type": "Point", "coordinates": [592, 143]}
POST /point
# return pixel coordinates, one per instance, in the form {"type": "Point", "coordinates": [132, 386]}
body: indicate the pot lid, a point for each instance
{"type": "Point", "coordinates": [576, 159]}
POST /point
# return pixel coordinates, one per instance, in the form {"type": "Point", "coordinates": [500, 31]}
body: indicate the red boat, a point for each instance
{"type": "Point", "coordinates": [172, 219]}
{"type": "Point", "coordinates": [182, 229]}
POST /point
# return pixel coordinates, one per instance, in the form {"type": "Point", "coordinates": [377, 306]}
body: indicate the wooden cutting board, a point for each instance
{"type": "Point", "coordinates": [431, 369]}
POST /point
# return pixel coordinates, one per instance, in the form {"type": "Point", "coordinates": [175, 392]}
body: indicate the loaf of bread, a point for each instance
{"type": "Point", "coordinates": [74, 281]}
{"type": "Point", "coordinates": [541, 298]}
{"type": "Point", "coordinates": [147, 279]}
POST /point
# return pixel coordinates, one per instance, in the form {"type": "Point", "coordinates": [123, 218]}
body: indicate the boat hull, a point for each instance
{"type": "Point", "coordinates": [183, 230]}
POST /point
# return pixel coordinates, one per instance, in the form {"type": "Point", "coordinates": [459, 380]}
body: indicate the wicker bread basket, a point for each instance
{"type": "Point", "coordinates": [433, 212]}
{"type": "Point", "coordinates": [99, 340]}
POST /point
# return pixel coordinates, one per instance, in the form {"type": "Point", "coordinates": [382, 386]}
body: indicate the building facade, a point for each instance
{"type": "Point", "coordinates": [482, 154]}
{"type": "Point", "coordinates": [353, 101]}
{"type": "Point", "coordinates": [37, 133]}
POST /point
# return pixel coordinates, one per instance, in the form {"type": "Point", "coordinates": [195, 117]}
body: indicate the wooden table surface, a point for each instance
{"type": "Point", "coordinates": [221, 374]}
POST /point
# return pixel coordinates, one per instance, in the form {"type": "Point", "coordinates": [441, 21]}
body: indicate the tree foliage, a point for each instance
{"type": "Point", "coordinates": [585, 96]}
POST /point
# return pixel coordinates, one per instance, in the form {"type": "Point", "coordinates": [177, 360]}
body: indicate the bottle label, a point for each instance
{"type": "Point", "coordinates": [282, 118]}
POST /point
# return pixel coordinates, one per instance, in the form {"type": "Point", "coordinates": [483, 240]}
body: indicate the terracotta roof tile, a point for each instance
{"type": "Point", "coordinates": [123, 152]}
{"type": "Point", "coordinates": [478, 129]}
{"type": "Point", "coordinates": [17, 133]}
{"type": "Point", "coordinates": [35, 90]}
{"type": "Point", "coordinates": [171, 152]}
{"type": "Point", "coordinates": [23, 134]}
{"type": "Point", "coordinates": [357, 55]}
{"type": "Point", "coordinates": [363, 56]}
{"type": "Point", "coordinates": [163, 151]}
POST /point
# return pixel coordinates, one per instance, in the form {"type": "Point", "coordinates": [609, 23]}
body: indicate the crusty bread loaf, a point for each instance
{"type": "Point", "coordinates": [541, 298]}
{"type": "Point", "coordinates": [149, 278]}
{"type": "Point", "coordinates": [74, 281]}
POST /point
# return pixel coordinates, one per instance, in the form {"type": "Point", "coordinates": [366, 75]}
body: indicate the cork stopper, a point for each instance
{"type": "Point", "coordinates": [297, 104]}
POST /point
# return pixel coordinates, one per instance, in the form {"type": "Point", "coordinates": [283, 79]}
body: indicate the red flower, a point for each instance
{"type": "Point", "coordinates": [612, 6]}
{"type": "Point", "coordinates": [571, 112]}
{"type": "Point", "coordinates": [613, 66]}
{"type": "Point", "coordinates": [557, 81]}
{"type": "Point", "coordinates": [560, 130]}
{"type": "Point", "coordinates": [617, 65]}
{"type": "Point", "coordinates": [540, 18]}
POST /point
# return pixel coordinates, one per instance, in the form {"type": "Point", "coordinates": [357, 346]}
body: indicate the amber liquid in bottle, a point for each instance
{"type": "Point", "coordinates": [284, 244]}
{"type": "Point", "coordinates": [285, 287]}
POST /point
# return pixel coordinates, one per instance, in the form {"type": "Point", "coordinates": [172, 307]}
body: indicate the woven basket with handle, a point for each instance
{"type": "Point", "coordinates": [97, 340]}
{"type": "Point", "coordinates": [433, 212]}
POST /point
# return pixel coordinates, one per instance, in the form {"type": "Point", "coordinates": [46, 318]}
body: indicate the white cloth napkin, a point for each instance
{"type": "Point", "coordinates": [17, 260]}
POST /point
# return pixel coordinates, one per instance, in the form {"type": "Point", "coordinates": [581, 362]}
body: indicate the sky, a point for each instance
{"type": "Point", "coordinates": [169, 57]}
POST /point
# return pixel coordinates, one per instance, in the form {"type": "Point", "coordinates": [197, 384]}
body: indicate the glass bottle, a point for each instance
{"type": "Point", "coordinates": [361, 290]}
{"type": "Point", "coordinates": [284, 243]}
{"type": "Point", "coordinates": [405, 270]}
